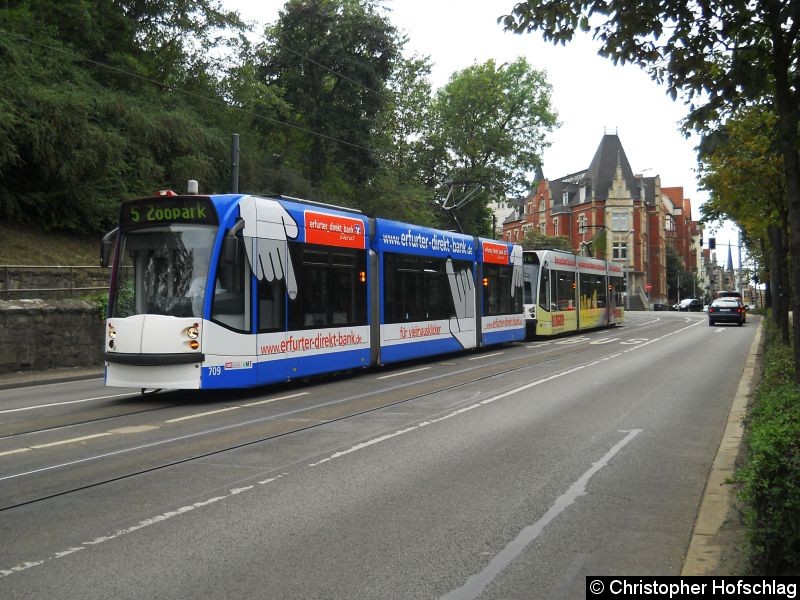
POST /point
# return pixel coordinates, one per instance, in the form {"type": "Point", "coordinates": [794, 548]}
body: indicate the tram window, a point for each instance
{"type": "Point", "coordinates": [417, 289]}
{"type": "Point", "coordinates": [228, 304]}
{"type": "Point", "coordinates": [271, 312]}
{"type": "Point", "coordinates": [497, 299]}
{"type": "Point", "coordinates": [544, 290]}
{"type": "Point", "coordinates": [563, 290]}
{"type": "Point", "coordinates": [530, 273]}
{"type": "Point", "coordinates": [593, 291]}
{"type": "Point", "coordinates": [330, 290]}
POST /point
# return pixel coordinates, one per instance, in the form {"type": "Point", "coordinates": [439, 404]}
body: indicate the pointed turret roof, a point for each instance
{"type": "Point", "coordinates": [603, 167]}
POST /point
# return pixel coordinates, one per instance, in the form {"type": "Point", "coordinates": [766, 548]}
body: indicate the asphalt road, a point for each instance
{"type": "Point", "coordinates": [510, 473]}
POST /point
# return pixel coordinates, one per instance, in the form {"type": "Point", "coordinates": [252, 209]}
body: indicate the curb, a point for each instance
{"type": "Point", "coordinates": [28, 379]}
{"type": "Point", "coordinates": [707, 551]}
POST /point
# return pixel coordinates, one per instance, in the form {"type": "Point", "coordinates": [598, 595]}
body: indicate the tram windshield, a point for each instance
{"type": "Point", "coordinates": [163, 270]}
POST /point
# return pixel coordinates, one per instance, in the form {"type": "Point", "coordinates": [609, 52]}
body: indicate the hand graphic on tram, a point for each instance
{"type": "Point", "coordinates": [516, 271]}
{"type": "Point", "coordinates": [462, 288]}
{"type": "Point", "coordinates": [269, 226]}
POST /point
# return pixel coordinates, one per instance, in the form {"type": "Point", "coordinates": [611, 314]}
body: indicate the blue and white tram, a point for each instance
{"type": "Point", "coordinates": [226, 291]}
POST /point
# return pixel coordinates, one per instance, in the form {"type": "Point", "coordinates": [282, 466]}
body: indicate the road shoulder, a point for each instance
{"type": "Point", "coordinates": [718, 537]}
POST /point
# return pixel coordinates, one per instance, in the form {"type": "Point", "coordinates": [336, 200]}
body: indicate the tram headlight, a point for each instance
{"type": "Point", "coordinates": [112, 333]}
{"type": "Point", "coordinates": [193, 332]}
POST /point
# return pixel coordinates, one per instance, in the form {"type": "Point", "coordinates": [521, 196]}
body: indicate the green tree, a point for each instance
{"type": "Point", "coordinates": [743, 173]}
{"type": "Point", "coordinates": [535, 240]}
{"type": "Point", "coordinates": [721, 54]}
{"type": "Point", "coordinates": [399, 190]}
{"type": "Point", "coordinates": [490, 125]}
{"type": "Point", "coordinates": [78, 133]}
{"type": "Point", "coordinates": [680, 282]}
{"type": "Point", "coordinates": [332, 60]}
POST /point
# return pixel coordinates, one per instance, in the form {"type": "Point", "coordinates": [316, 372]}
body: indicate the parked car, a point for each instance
{"type": "Point", "coordinates": [726, 310]}
{"type": "Point", "coordinates": [690, 305]}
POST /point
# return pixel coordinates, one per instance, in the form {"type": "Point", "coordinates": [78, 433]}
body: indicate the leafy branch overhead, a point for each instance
{"type": "Point", "coordinates": [102, 101]}
{"type": "Point", "coordinates": [723, 57]}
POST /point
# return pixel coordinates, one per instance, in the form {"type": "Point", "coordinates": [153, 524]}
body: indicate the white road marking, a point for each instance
{"type": "Point", "coordinates": [478, 582]}
{"type": "Point", "coordinates": [275, 399]}
{"type": "Point", "coordinates": [202, 414]}
{"type": "Point", "coordinates": [403, 373]}
{"type": "Point", "coordinates": [17, 451]}
{"type": "Point", "coordinates": [72, 440]}
{"type": "Point", "coordinates": [145, 428]}
{"type": "Point", "coordinates": [482, 356]}
{"type": "Point", "coordinates": [11, 410]}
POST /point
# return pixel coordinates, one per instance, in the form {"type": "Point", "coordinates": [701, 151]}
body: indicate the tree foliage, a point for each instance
{"type": "Point", "coordinates": [535, 240]}
{"type": "Point", "coordinates": [721, 55]}
{"type": "Point", "coordinates": [680, 282]}
{"type": "Point", "coordinates": [333, 61]}
{"type": "Point", "coordinates": [102, 100]}
{"type": "Point", "coordinates": [73, 141]}
{"type": "Point", "coordinates": [490, 126]}
{"type": "Point", "coordinates": [743, 173]}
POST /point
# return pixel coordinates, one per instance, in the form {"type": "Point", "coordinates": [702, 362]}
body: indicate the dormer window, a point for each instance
{"type": "Point", "coordinates": [565, 198]}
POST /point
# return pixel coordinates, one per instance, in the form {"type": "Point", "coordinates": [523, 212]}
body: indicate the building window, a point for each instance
{"type": "Point", "coordinates": [582, 224]}
{"type": "Point", "coordinates": [619, 251]}
{"type": "Point", "coordinates": [565, 198]}
{"type": "Point", "coordinates": [555, 227]}
{"type": "Point", "coordinates": [619, 221]}
{"type": "Point", "coordinates": [543, 227]}
{"type": "Point", "coordinates": [583, 194]}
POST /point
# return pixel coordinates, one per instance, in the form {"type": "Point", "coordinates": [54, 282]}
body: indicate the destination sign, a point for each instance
{"type": "Point", "coordinates": [164, 210]}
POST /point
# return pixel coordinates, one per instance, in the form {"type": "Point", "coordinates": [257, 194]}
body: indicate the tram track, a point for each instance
{"type": "Point", "coordinates": [206, 398]}
{"type": "Point", "coordinates": [77, 423]}
{"type": "Point", "coordinates": [356, 405]}
{"type": "Point", "coordinates": [469, 375]}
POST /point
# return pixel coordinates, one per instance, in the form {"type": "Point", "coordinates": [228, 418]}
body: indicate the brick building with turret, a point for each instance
{"type": "Point", "coordinates": [609, 212]}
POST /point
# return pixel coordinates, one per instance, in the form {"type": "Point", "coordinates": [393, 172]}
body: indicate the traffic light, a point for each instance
{"type": "Point", "coordinates": [712, 243]}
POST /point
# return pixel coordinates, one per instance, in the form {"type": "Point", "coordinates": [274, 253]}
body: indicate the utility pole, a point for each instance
{"type": "Point", "coordinates": [739, 250]}
{"type": "Point", "coordinates": [235, 163]}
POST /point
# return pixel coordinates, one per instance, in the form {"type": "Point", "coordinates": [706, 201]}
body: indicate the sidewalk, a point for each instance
{"type": "Point", "coordinates": [716, 547]}
{"type": "Point", "coordinates": [28, 378]}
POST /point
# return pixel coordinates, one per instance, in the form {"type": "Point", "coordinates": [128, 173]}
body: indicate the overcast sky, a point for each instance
{"type": "Point", "coordinates": [590, 94]}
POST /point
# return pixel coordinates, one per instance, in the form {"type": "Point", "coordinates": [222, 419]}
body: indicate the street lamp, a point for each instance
{"type": "Point", "coordinates": [628, 253]}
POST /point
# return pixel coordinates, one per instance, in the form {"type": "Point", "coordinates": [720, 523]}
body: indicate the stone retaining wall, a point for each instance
{"type": "Point", "coordinates": [47, 334]}
{"type": "Point", "coordinates": [17, 281]}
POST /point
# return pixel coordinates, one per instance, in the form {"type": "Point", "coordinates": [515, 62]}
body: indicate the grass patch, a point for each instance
{"type": "Point", "coordinates": [29, 246]}
{"type": "Point", "coordinates": [771, 475]}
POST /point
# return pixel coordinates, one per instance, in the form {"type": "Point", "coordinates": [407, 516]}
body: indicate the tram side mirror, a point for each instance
{"type": "Point", "coordinates": [232, 244]}
{"type": "Point", "coordinates": [107, 247]}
